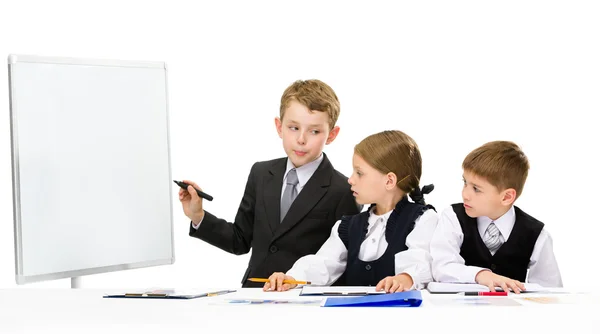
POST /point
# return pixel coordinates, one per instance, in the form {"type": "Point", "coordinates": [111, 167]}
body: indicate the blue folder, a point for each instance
{"type": "Point", "coordinates": [399, 299]}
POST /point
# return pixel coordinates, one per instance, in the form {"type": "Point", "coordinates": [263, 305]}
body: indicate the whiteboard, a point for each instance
{"type": "Point", "coordinates": [91, 166]}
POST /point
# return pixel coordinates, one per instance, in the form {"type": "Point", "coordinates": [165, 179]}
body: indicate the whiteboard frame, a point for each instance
{"type": "Point", "coordinates": [19, 277]}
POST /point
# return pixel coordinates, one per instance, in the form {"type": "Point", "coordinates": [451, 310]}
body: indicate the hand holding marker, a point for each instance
{"type": "Point", "coordinates": [184, 185]}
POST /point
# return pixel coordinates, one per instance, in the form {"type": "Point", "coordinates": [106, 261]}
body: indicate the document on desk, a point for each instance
{"type": "Point", "coordinates": [437, 287]}
{"type": "Point", "coordinates": [259, 301]}
{"type": "Point", "coordinates": [170, 294]}
{"type": "Point", "coordinates": [339, 291]}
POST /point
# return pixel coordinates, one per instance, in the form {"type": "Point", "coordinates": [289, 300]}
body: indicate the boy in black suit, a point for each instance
{"type": "Point", "coordinates": [289, 204]}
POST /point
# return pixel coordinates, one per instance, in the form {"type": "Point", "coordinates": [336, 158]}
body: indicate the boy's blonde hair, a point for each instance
{"type": "Point", "coordinates": [313, 94]}
{"type": "Point", "coordinates": [396, 152]}
{"type": "Point", "coordinates": [502, 163]}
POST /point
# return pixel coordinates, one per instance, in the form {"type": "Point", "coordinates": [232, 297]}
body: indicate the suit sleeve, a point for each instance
{"type": "Point", "coordinates": [233, 237]}
{"type": "Point", "coordinates": [347, 206]}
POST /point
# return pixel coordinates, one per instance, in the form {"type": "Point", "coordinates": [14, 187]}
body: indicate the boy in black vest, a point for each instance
{"type": "Point", "coordinates": [487, 239]}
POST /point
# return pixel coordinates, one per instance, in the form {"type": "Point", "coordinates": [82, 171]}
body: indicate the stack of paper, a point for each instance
{"type": "Point", "coordinates": [437, 287]}
{"type": "Point", "coordinates": [169, 294]}
{"type": "Point", "coordinates": [308, 290]}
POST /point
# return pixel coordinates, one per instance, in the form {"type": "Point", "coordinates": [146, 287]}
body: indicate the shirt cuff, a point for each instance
{"type": "Point", "coordinates": [419, 278]}
{"type": "Point", "coordinates": [195, 227]}
{"type": "Point", "coordinates": [298, 275]}
{"type": "Point", "coordinates": [470, 273]}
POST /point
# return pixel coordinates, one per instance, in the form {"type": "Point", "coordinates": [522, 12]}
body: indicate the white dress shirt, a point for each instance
{"type": "Point", "coordinates": [325, 267]}
{"type": "Point", "coordinates": [449, 266]}
{"type": "Point", "coordinates": [304, 174]}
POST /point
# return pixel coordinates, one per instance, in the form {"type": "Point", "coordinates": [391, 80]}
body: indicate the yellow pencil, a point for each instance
{"type": "Point", "coordinates": [285, 281]}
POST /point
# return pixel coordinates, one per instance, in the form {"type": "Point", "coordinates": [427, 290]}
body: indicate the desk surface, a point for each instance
{"type": "Point", "coordinates": [72, 310]}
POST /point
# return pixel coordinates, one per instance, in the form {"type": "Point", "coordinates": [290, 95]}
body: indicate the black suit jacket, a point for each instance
{"type": "Point", "coordinates": [276, 246]}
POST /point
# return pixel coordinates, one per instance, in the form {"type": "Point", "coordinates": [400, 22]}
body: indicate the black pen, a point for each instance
{"type": "Point", "coordinates": [184, 185]}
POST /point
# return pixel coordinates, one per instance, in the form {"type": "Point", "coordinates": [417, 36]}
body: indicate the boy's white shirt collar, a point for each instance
{"type": "Point", "coordinates": [304, 172]}
{"type": "Point", "coordinates": [505, 223]}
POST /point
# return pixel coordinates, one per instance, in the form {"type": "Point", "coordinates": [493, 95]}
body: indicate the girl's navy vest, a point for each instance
{"type": "Point", "coordinates": [352, 231]}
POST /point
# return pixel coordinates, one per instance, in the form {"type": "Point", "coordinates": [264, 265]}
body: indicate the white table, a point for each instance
{"type": "Point", "coordinates": [85, 311]}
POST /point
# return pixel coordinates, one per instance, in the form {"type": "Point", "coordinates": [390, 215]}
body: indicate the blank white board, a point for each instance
{"type": "Point", "coordinates": [91, 166]}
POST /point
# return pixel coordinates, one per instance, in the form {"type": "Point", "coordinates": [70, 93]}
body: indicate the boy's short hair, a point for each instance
{"type": "Point", "coordinates": [315, 95]}
{"type": "Point", "coordinates": [502, 163]}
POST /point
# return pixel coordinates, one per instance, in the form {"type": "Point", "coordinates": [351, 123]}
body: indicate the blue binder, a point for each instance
{"type": "Point", "coordinates": [398, 299]}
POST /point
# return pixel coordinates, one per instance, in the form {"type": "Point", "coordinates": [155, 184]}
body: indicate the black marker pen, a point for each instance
{"type": "Point", "coordinates": [184, 185]}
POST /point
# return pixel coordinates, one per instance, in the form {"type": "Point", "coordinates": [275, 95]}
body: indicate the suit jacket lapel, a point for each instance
{"type": "Point", "coordinates": [272, 194]}
{"type": "Point", "coordinates": [311, 194]}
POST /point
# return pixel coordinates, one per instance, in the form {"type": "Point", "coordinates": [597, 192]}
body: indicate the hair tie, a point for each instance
{"type": "Point", "coordinates": [417, 194]}
{"type": "Point", "coordinates": [427, 189]}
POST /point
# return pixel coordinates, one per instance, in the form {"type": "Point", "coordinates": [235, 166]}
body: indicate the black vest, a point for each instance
{"type": "Point", "coordinates": [353, 230]}
{"type": "Point", "coordinates": [512, 258]}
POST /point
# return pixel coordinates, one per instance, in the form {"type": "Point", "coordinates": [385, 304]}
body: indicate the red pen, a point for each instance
{"type": "Point", "coordinates": [487, 293]}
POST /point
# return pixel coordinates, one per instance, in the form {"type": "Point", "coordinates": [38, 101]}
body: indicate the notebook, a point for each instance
{"type": "Point", "coordinates": [399, 299]}
{"type": "Point", "coordinates": [437, 287]}
{"type": "Point", "coordinates": [169, 294]}
{"type": "Point", "coordinates": [339, 291]}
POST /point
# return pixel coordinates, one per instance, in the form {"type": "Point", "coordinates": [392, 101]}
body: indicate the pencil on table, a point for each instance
{"type": "Point", "coordinates": [285, 281]}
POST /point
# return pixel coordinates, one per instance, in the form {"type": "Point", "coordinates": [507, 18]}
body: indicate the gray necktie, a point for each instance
{"type": "Point", "coordinates": [289, 194]}
{"type": "Point", "coordinates": [492, 238]}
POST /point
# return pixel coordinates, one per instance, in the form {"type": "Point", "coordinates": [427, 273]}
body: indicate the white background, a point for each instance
{"type": "Point", "coordinates": [452, 74]}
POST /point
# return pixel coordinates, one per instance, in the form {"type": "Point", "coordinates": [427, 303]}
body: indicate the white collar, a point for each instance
{"type": "Point", "coordinates": [505, 223]}
{"type": "Point", "coordinates": [303, 172]}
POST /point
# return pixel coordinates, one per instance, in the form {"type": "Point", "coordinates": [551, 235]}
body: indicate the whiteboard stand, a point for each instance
{"type": "Point", "coordinates": [76, 282]}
